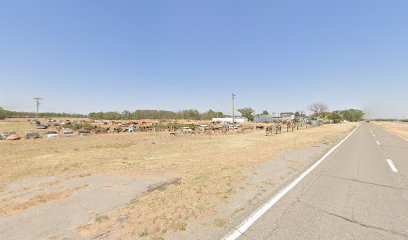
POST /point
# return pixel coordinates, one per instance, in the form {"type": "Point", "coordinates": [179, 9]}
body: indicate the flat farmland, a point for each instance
{"type": "Point", "coordinates": [399, 128]}
{"type": "Point", "coordinates": [177, 179]}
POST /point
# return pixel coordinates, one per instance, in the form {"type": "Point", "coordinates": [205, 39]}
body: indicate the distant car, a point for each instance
{"type": "Point", "coordinates": [13, 137]}
{"type": "Point", "coordinates": [67, 132]}
{"type": "Point", "coordinates": [4, 135]}
{"type": "Point", "coordinates": [41, 126]}
{"type": "Point", "coordinates": [51, 134]}
{"type": "Point", "coordinates": [204, 127]}
{"type": "Point", "coordinates": [32, 135]}
{"type": "Point", "coordinates": [84, 132]}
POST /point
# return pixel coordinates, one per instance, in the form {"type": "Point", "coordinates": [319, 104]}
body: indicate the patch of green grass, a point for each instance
{"type": "Point", "coordinates": [238, 210]}
{"type": "Point", "coordinates": [182, 226]}
{"type": "Point", "coordinates": [101, 218]}
{"type": "Point", "coordinates": [220, 223]}
{"type": "Point", "coordinates": [143, 234]}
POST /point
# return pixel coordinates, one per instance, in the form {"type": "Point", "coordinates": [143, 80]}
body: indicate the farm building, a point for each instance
{"type": "Point", "coordinates": [229, 120]}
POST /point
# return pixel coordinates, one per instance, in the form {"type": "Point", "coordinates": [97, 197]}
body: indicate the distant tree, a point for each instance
{"type": "Point", "coordinates": [2, 114]}
{"type": "Point", "coordinates": [297, 114]}
{"type": "Point", "coordinates": [112, 115]}
{"type": "Point", "coordinates": [318, 108]}
{"type": "Point", "coordinates": [126, 115]}
{"type": "Point", "coordinates": [264, 112]}
{"type": "Point", "coordinates": [336, 116]}
{"type": "Point", "coordinates": [189, 114]}
{"type": "Point", "coordinates": [211, 114]}
{"type": "Point", "coordinates": [353, 115]}
{"type": "Point", "coordinates": [325, 115]}
{"type": "Point", "coordinates": [247, 112]}
{"type": "Point", "coordinates": [301, 113]}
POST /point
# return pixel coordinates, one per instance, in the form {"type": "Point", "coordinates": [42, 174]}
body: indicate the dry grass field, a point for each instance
{"type": "Point", "coordinates": [209, 168]}
{"type": "Point", "coordinates": [399, 128]}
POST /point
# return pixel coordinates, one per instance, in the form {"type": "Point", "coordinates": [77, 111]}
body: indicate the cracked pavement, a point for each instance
{"type": "Point", "coordinates": [353, 194]}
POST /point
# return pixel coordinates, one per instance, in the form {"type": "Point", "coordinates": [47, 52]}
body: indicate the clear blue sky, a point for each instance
{"type": "Point", "coordinates": [84, 56]}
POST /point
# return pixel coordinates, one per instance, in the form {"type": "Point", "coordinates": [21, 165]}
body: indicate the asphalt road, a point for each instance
{"type": "Point", "coordinates": [359, 192]}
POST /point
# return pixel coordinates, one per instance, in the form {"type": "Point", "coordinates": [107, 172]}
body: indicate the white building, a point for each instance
{"type": "Point", "coordinates": [229, 120]}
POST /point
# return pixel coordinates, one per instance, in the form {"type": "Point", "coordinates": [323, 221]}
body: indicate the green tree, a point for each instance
{"type": "Point", "coordinates": [189, 114]}
{"type": "Point", "coordinates": [2, 113]}
{"type": "Point", "coordinates": [353, 115]}
{"type": "Point", "coordinates": [247, 112]}
{"type": "Point", "coordinates": [126, 115]}
{"type": "Point", "coordinates": [264, 112]}
{"type": "Point", "coordinates": [325, 115]}
{"type": "Point", "coordinates": [336, 116]}
{"type": "Point", "coordinates": [211, 114]}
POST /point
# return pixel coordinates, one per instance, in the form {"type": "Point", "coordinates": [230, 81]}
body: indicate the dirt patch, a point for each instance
{"type": "Point", "coordinates": [10, 206]}
{"type": "Point", "coordinates": [84, 200]}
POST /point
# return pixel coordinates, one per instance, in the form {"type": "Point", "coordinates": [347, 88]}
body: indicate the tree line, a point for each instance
{"type": "Point", "coordinates": [192, 114]}
{"type": "Point", "coordinates": [319, 110]}
{"type": "Point", "coordinates": [14, 114]}
{"type": "Point", "coordinates": [351, 115]}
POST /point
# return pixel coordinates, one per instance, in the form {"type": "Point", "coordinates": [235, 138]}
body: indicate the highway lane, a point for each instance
{"type": "Point", "coordinates": [359, 192]}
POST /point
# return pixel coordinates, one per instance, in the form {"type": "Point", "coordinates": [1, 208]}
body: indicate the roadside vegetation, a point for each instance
{"type": "Point", "coordinates": [319, 110]}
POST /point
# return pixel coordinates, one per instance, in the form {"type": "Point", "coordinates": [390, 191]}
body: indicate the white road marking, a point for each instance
{"type": "Point", "coordinates": [263, 209]}
{"type": "Point", "coordinates": [392, 166]}
{"type": "Point", "coordinates": [378, 143]}
{"type": "Point", "coordinates": [373, 135]}
{"type": "Point", "coordinates": [406, 139]}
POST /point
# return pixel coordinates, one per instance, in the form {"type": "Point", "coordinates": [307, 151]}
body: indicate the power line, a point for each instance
{"type": "Point", "coordinates": [233, 110]}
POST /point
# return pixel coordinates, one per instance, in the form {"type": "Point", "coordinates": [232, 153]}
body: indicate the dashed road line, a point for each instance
{"type": "Point", "coordinates": [378, 142]}
{"type": "Point", "coordinates": [392, 166]}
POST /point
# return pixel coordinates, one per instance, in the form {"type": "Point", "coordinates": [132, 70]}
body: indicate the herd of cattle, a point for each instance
{"type": "Point", "coordinates": [67, 128]}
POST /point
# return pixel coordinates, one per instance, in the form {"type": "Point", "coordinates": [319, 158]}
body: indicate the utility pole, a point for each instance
{"type": "Point", "coordinates": [233, 110]}
{"type": "Point", "coordinates": [37, 101]}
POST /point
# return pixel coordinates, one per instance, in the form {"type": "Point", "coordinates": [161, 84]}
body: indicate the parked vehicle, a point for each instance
{"type": "Point", "coordinates": [51, 134]}
{"type": "Point", "coordinates": [13, 137]}
{"type": "Point", "coordinates": [41, 126]}
{"type": "Point", "coordinates": [84, 132]}
{"type": "Point", "coordinates": [67, 132]}
{"type": "Point", "coordinates": [204, 127]}
{"type": "Point", "coordinates": [4, 135]}
{"type": "Point", "coordinates": [32, 135]}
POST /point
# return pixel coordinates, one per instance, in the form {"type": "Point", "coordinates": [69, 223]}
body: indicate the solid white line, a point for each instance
{"type": "Point", "coordinates": [378, 143]}
{"type": "Point", "coordinates": [392, 166]}
{"type": "Point", "coordinates": [406, 139]}
{"type": "Point", "coordinates": [263, 209]}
